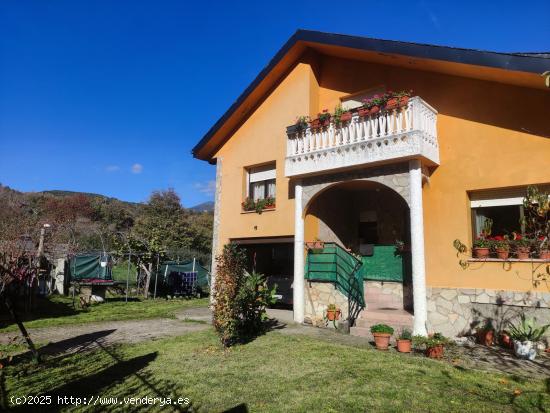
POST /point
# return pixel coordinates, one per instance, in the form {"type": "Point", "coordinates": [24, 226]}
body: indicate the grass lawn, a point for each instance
{"type": "Point", "coordinates": [58, 311]}
{"type": "Point", "coordinates": [276, 372]}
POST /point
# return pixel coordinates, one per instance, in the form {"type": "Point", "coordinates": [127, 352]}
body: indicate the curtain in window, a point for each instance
{"type": "Point", "coordinates": [271, 189]}
{"type": "Point", "coordinates": [258, 190]}
{"type": "Point", "coordinates": [480, 220]}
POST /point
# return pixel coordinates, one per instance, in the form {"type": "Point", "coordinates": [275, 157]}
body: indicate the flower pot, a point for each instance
{"type": "Point", "coordinates": [403, 346]}
{"type": "Point", "coordinates": [435, 352]}
{"type": "Point", "coordinates": [382, 340]}
{"type": "Point", "coordinates": [481, 252]}
{"type": "Point", "coordinates": [522, 253]}
{"type": "Point", "coordinates": [544, 254]}
{"type": "Point", "coordinates": [315, 124]}
{"type": "Point", "coordinates": [485, 337]}
{"type": "Point", "coordinates": [525, 349]}
{"type": "Point", "coordinates": [502, 254]}
{"type": "Point", "coordinates": [403, 101]}
{"type": "Point", "coordinates": [506, 341]}
{"type": "Point", "coordinates": [346, 116]}
{"type": "Point", "coordinates": [333, 315]}
{"type": "Point", "coordinates": [374, 109]}
{"type": "Point", "coordinates": [392, 103]}
{"type": "Point", "coordinates": [363, 112]}
{"type": "Point", "coordinates": [325, 122]}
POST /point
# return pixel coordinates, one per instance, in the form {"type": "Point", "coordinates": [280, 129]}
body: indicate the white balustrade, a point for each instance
{"type": "Point", "coordinates": [407, 131]}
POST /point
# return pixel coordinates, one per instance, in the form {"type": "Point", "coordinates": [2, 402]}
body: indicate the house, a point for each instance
{"type": "Point", "coordinates": [389, 192]}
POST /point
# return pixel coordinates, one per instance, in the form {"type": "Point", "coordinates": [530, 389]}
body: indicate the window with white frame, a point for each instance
{"type": "Point", "coordinates": [261, 182]}
{"type": "Point", "coordinates": [356, 100]}
{"type": "Point", "coordinates": [503, 206]}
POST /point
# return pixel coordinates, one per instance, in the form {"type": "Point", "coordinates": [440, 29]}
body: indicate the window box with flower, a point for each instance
{"type": "Point", "coordinates": [258, 205]}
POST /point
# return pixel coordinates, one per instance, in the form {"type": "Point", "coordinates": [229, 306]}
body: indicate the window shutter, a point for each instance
{"type": "Point", "coordinates": [261, 173]}
{"type": "Point", "coordinates": [500, 196]}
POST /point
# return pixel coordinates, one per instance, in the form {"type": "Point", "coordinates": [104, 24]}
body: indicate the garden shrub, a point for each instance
{"type": "Point", "coordinates": [240, 298]}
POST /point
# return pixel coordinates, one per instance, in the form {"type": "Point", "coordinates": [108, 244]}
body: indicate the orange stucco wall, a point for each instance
{"type": "Point", "coordinates": [261, 139]}
{"type": "Point", "coordinates": [491, 135]}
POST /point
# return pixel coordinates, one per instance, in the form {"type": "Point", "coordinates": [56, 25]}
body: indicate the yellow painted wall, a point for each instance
{"type": "Point", "coordinates": [490, 134]}
{"type": "Point", "coordinates": [261, 139]}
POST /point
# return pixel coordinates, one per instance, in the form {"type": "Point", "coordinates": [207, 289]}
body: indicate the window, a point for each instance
{"type": "Point", "coordinates": [261, 182]}
{"type": "Point", "coordinates": [355, 100]}
{"type": "Point", "coordinates": [503, 206]}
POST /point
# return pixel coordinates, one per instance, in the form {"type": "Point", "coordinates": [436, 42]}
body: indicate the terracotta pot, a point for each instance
{"type": "Point", "coordinates": [404, 346]}
{"type": "Point", "coordinates": [506, 341]}
{"type": "Point", "coordinates": [392, 103]}
{"type": "Point", "coordinates": [485, 337]}
{"type": "Point", "coordinates": [315, 124]}
{"type": "Point", "coordinates": [435, 352]}
{"type": "Point", "coordinates": [403, 101]}
{"type": "Point", "coordinates": [502, 254]}
{"type": "Point", "coordinates": [544, 254]}
{"type": "Point", "coordinates": [382, 340]}
{"type": "Point", "coordinates": [374, 109]}
{"type": "Point", "coordinates": [333, 315]}
{"type": "Point", "coordinates": [346, 116]}
{"type": "Point", "coordinates": [363, 112]}
{"type": "Point", "coordinates": [325, 122]}
{"type": "Point", "coordinates": [481, 252]}
{"type": "Point", "coordinates": [522, 253]}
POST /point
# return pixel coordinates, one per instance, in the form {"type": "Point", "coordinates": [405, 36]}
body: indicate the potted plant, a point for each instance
{"type": "Point", "coordinates": [434, 344]}
{"type": "Point", "coordinates": [324, 117]}
{"type": "Point", "coordinates": [482, 247]}
{"type": "Point", "coordinates": [486, 334]}
{"type": "Point", "coordinates": [544, 247]}
{"type": "Point", "coordinates": [248, 204]}
{"type": "Point", "coordinates": [526, 336]}
{"type": "Point", "coordinates": [522, 246]}
{"type": "Point", "coordinates": [404, 341]}
{"type": "Point", "coordinates": [340, 115]}
{"type": "Point", "coordinates": [404, 97]}
{"type": "Point", "coordinates": [382, 334]}
{"type": "Point", "coordinates": [505, 340]}
{"type": "Point", "coordinates": [333, 312]}
{"type": "Point", "coordinates": [374, 104]}
{"type": "Point", "coordinates": [501, 246]}
{"type": "Point", "coordinates": [315, 246]}
{"type": "Point", "coordinates": [299, 126]}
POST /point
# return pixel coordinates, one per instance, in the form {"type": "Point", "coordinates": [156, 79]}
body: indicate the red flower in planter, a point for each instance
{"type": "Point", "coordinates": [498, 238]}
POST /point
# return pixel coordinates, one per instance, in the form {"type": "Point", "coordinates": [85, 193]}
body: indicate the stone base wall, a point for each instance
{"type": "Point", "coordinates": [387, 294]}
{"type": "Point", "coordinates": [459, 311]}
{"type": "Point", "coordinates": [318, 296]}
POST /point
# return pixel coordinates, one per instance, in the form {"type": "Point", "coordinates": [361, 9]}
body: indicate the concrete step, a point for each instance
{"type": "Point", "coordinates": [399, 319]}
{"type": "Point", "coordinates": [388, 316]}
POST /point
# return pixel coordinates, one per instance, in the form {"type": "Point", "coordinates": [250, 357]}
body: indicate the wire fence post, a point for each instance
{"type": "Point", "coordinates": [156, 277]}
{"type": "Point", "coordinates": [128, 273]}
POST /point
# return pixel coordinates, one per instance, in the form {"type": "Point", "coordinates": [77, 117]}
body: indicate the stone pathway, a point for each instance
{"type": "Point", "coordinates": [85, 337]}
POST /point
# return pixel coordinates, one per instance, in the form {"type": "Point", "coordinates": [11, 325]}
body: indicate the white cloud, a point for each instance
{"type": "Point", "coordinates": [207, 188]}
{"type": "Point", "coordinates": [112, 168]}
{"type": "Point", "coordinates": [137, 168]}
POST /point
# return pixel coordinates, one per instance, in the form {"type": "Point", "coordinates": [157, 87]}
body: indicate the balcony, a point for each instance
{"type": "Point", "coordinates": [392, 135]}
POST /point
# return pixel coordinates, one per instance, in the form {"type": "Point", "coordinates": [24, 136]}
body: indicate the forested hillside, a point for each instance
{"type": "Point", "coordinates": [84, 221]}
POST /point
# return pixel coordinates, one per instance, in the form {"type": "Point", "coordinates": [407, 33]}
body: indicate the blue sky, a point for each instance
{"type": "Point", "coordinates": [110, 96]}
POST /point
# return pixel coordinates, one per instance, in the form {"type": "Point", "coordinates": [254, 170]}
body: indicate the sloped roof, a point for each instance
{"type": "Point", "coordinates": [331, 43]}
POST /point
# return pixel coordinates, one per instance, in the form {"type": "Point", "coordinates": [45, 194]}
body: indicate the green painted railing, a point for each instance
{"type": "Point", "coordinates": [334, 264]}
